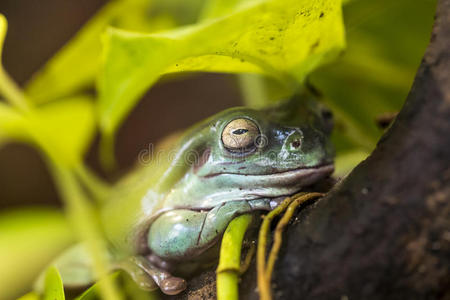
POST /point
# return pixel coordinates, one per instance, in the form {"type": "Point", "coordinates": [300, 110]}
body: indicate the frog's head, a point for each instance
{"type": "Point", "coordinates": [248, 154]}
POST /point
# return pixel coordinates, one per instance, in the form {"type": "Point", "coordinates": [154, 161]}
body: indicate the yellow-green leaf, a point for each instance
{"type": "Point", "coordinates": [64, 129]}
{"type": "Point", "coordinates": [93, 292]}
{"type": "Point", "coordinates": [54, 289]}
{"type": "Point", "coordinates": [76, 65]}
{"type": "Point", "coordinates": [29, 239]}
{"type": "Point", "coordinates": [376, 72]}
{"type": "Point", "coordinates": [345, 162]}
{"type": "Point", "coordinates": [30, 296]}
{"type": "Point", "coordinates": [283, 39]}
{"type": "Point", "coordinates": [218, 8]}
{"type": "Point", "coordinates": [3, 29]}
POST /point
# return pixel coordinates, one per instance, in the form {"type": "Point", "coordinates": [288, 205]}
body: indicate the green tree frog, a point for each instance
{"type": "Point", "coordinates": [169, 215]}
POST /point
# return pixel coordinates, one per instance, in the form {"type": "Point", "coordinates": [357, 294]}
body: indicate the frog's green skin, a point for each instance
{"type": "Point", "coordinates": [177, 207]}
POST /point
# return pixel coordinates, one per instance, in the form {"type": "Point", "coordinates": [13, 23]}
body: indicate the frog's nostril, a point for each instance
{"type": "Point", "coordinates": [296, 143]}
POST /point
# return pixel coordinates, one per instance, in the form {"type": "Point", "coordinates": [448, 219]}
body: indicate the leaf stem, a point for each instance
{"type": "Point", "coordinates": [11, 92]}
{"type": "Point", "coordinates": [84, 218]}
{"type": "Point", "coordinates": [253, 90]}
{"type": "Point", "coordinates": [98, 187]}
{"type": "Point", "coordinates": [107, 158]}
{"type": "Point", "coordinates": [230, 258]}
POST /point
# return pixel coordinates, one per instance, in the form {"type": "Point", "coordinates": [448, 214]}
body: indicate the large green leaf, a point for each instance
{"type": "Point", "coordinates": [76, 65]}
{"type": "Point", "coordinates": [217, 8]}
{"type": "Point", "coordinates": [29, 239]}
{"type": "Point", "coordinates": [283, 39]}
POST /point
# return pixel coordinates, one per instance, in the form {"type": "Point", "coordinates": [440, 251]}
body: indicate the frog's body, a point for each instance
{"type": "Point", "coordinates": [235, 162]}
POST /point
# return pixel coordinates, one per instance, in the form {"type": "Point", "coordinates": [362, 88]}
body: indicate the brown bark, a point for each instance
{"type": "Point", "coordinates": [384, 232]}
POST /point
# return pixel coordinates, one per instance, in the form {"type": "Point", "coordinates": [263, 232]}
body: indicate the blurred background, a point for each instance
{"type": "Point", "coordinates": [386, 40]}
{"type": "Point", "coordinates": [37, 30]}
{"type": "Point", "coordinates": [385, 43]}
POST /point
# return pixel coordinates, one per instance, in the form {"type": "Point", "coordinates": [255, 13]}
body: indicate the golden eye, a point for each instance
{"type": "Point", "coordinates": [240, 134]}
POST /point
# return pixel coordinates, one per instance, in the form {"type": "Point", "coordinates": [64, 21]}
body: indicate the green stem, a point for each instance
{"type": "Point", "coordinates": [107, 158]}
{"type": "Point", "coordinates": [230, 258]}
{"type": "Point", "coordinates": [11, 92]}
{"type": "Point", "coordinates": [253, 90]}
{"type": "Point", "coordinates": [93, 183]}
{"type": "Point", "coordinates": [84, 218]}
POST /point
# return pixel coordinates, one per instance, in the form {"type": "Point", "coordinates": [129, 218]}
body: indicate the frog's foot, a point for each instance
{"type": "Point", "coordinates": [149, 277]}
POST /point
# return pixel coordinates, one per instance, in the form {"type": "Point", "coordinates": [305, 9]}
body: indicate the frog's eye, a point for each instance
{"type": "Point", "coordinates": [240, 134]}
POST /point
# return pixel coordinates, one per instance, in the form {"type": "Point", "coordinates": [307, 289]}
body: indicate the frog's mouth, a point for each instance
{"type": "Point", "coordinates": [276, 183]}
{"type": "Point", "coordinates": [284, 176]}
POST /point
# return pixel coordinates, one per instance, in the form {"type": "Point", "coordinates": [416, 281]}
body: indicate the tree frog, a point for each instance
{"type": "Point", "coordinates": [163, 218]}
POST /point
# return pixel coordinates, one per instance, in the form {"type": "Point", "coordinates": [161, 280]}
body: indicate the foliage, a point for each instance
{"type": "Point", "coordinates": [29, 238]}
{"type": "Point", "coordinates": [283, 39]}
{"type": "Point", "coordinates": [386, 41]}
{"type": "Point", "coordinates": [272, 44]}
{"type": "Point", "coordinates": [54, 289]}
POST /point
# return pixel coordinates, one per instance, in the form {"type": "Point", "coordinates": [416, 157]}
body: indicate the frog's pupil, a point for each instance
{"type": "Point", "coordinates": [240, 131]}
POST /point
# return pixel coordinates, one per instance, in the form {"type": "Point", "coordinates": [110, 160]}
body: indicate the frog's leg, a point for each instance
{"type": "Point", "coordinates": [148, 277]}
{"type": "Point", "coordinates": [182, 234]}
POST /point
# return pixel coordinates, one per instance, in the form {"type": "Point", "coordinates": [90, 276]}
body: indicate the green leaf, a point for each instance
{"type": "Point", "coordinates": [30, 296]}
{"type": "Point", "coordinates": [8, 88]}
{"type": "Point", "coordinates": [54, 289]}
{"type": "Point", "coordinates": [29, 239]}
{"type": "Point", "coordinates": [93, 293]}
{"type": "Point", "coordinates": [3, 29]}
{"type": "Point", "coordinates": [283, 39]}
{"type": "Point", "coordinates": [376, 72]}
{"type": "Point", "coordinates": [217, 8]}
{"type": "Point", "coordinates": [75, 66]}
{"type": "Point", "coordinates": [64, 129]}
{"type": "Point", "coordinates": [345, 162]}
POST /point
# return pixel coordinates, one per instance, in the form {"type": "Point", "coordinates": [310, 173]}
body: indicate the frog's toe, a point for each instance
{"type": "Point", "coordinates": [173, 285]}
